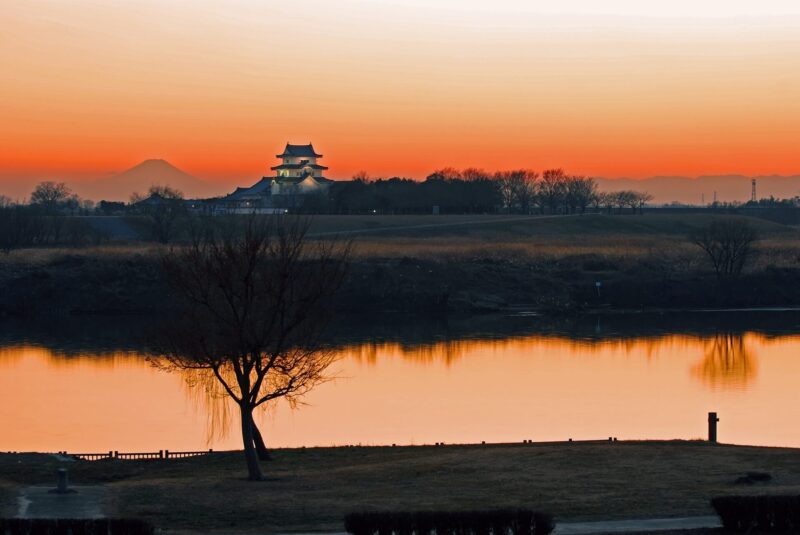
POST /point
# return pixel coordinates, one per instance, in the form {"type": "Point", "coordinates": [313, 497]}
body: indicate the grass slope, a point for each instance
{"type": "Point", "coordinates": [311, 489]}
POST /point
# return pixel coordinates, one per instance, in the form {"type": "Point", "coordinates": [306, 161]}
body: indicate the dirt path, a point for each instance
{"type": "Point", "coordinates": [114, 227]}
{"type": "Point", "coordinates": [40, 502]}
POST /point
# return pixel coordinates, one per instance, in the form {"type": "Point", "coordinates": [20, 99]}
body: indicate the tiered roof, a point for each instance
{"type": "Point", "coordinates": [301, 165]}
{"type": "Point", "coordinates": [299, 151]}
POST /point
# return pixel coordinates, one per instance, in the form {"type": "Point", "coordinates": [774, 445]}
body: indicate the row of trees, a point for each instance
{"type": "Point", "coordinates": [472, 190]}
{"type": "Point", "coordinates": [43, 221]}
{"type": "Point", "coordinates": [46, 219]}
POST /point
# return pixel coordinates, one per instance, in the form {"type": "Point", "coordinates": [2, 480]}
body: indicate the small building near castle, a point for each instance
{"type": "Point", "coordinates": [297, 180]}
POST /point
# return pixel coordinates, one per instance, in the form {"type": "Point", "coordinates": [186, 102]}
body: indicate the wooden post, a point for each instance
{"type": "Point", "coordinates": [712, 427]}
{"type": "Point", "coordinates": [110, 454]}
{"type": "Point", "coordinates": [166, 454]}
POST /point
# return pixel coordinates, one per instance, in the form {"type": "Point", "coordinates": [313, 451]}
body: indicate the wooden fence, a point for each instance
{"type": "Point", "coordinates": [159, 455]}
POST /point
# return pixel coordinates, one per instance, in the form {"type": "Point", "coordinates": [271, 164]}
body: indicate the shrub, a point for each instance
{"type": "Point", "coordinates": [759, 514]}
{"type": "Point", "coordinates": [21, 226]}
{"type": "Point", "coordinates": [498, 522]}
{"type": "Point", "coordinates": [74, 526]}
{"type": "Point", "coordinates": [728, 243]}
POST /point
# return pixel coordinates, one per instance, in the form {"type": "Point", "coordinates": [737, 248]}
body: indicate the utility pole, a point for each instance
{"type": "Point", "coordinates": [753, 196]}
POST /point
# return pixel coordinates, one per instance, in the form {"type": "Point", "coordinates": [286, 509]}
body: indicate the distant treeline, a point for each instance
{"type": "Point", "coordinates": [475, 191]}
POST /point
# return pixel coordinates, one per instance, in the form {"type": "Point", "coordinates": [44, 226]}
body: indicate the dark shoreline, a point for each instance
{"type": "Point", "coordinates": [132, 284]}
{"type": "Point", "coordinates": [75, 335]}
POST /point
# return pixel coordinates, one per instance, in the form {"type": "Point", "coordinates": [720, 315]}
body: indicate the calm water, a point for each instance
{"type": "Point", "coordinates": [632, 378]}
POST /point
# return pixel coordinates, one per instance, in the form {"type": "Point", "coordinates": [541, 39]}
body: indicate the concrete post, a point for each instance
{"type": "Point", "coordinates": [712, 427]}
{"type": "Point", "coordinates": [62, 484]}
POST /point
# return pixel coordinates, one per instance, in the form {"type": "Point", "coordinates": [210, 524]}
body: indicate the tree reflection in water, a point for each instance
{"type": "Point", "coordinates": [728, 362]}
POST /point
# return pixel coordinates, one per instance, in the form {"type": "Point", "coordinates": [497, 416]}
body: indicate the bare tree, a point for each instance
{"type": "Point", "coordinates": [361, 176]}
{"type": "Point", "coordinates": [640, 200]}
{"type": "Point", "coordinates": [508, 193]}
{"type": "Point", "coordinates": [552, 189]}
{"type": "Point", "coordinates": [163, 206]}
{"type": "Point", "coordinates": [445, 173]}
{"type": "Point", "coordinates": [50, 195]}
{"type": "Point", "coordinates": [256, 305]}
{"type": "Point", "coordinates": [517, 189]}
{"type": "Point", "coordinates": [525, 185]}
{"type": "Point", "coordinates": [728, 243]}
{"type": "Point", "coordinates": [474, 174]}
{"type": "Point", "coordinates": [580, 191]}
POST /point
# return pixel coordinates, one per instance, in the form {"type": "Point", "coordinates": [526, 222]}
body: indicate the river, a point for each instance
{"type": "Point", "coordinates": [85, 387]}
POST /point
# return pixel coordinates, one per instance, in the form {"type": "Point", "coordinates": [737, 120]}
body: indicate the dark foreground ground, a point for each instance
{"type": "Point", "coordinates": [312, 489]}
{"type": "Point", "coordinates": [450, 264]}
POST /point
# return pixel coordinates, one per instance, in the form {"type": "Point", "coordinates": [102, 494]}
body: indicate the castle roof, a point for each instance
{"type": "Point", "coordinates": [301, 165]}
{"type": "Point", "coordinates": [298, 179]}
{"type": "Point", "coordinates": [255, 190]}
{"type": "Point", "coordinates": [299, 151]}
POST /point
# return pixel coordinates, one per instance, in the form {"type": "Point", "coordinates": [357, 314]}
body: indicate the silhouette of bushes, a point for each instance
{"type": "Point", "coordinates": [29, 226]}
{"type": "Point", "coordinates": [74, 526]}
{"type": "Point", "coordinates": [497, 522]}
{"type": "Point", "coordinates": [759, 514]}
{"type": "Point", "coordinates": [728, 244]}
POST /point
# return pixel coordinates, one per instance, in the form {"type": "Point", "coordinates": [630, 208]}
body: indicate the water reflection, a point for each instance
{"type": "Point", "coordinates": [429, 387]}
{"type": "Point", "coordinates": [728, 362]}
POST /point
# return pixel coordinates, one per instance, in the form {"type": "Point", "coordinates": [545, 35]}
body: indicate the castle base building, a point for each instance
{"type": "Point", "coordinates": [297, 180]}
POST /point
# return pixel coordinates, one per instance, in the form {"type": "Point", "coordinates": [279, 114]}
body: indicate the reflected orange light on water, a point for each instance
{"type": "Point", "coordinates": [538, 388]}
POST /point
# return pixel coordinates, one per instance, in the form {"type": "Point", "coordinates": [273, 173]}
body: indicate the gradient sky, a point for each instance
{"type": "Point", "coordinates": [612, 88]}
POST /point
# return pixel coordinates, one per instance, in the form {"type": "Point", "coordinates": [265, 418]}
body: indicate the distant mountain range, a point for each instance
{"type": "Point", "coordinates": [138, 179]}
{"type": "Point", "coordinates": [665, 189]}
{"type": "Point", "coordinates": [728, 188]}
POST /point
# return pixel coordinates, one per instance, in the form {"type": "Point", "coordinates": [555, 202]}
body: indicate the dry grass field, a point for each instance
{"type": "Point", "coordinates": [503, 236]}
{"type": "Point", "coordinates": [617, 237]}
{"type": "Point", "coordinates": [311, 489]}
{"type": "Point", "coordinates": [434, 264]}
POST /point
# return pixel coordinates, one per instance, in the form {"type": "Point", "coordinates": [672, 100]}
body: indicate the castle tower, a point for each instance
{"type": "Point", "coordinates": [298, 161]}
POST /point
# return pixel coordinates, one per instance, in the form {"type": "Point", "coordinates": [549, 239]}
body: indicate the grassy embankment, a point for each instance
{"type": "Point", "coordinates": [455, 263]}
{"type": "Point", "coordinates": [311, 489]}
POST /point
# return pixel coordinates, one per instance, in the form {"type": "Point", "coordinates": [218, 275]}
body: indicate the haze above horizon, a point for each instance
{"type": "Point", "coordinates": [400, 87]}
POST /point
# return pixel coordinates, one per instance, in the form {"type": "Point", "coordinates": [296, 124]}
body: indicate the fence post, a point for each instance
{"type": "Point", "coordinates": [712, 427]}
{"type": "Point", "coordinates": [166, 454]}
{"type": "Point", "coordinates": [160, 454]}
{"type": "Point", "coordinates": [110, 454]}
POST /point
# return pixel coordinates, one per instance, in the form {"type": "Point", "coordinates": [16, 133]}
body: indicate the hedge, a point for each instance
{"type": "Point", "coordinates": [74, 526]}
{"type": "Point", "coordinates": [497, 522]}
{"type": "Point", "coordinates": [759, 514]}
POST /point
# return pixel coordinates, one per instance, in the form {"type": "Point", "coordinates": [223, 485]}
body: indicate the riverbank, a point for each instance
{"type": "Point", "coordinates": [311, 489]}
{"type": "Point", "coordinates": [467, 265]}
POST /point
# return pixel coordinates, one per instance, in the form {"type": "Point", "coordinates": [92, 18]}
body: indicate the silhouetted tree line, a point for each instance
{"type": "Point", "coordinates": [785, 211]}
{"type": "Point", "coordinates": [475, 191]}
{"type": "Point", "coordinates": [44, 220]}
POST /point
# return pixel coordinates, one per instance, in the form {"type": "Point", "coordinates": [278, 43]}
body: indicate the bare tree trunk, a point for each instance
{"type": "Point", "coordinates": [261, 447]}
{"type": "Point", "coordinates": [253, 468]}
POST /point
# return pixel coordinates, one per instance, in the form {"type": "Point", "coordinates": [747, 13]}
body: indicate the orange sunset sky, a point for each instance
{"type": "Point", "coordinates": [612, 88]}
